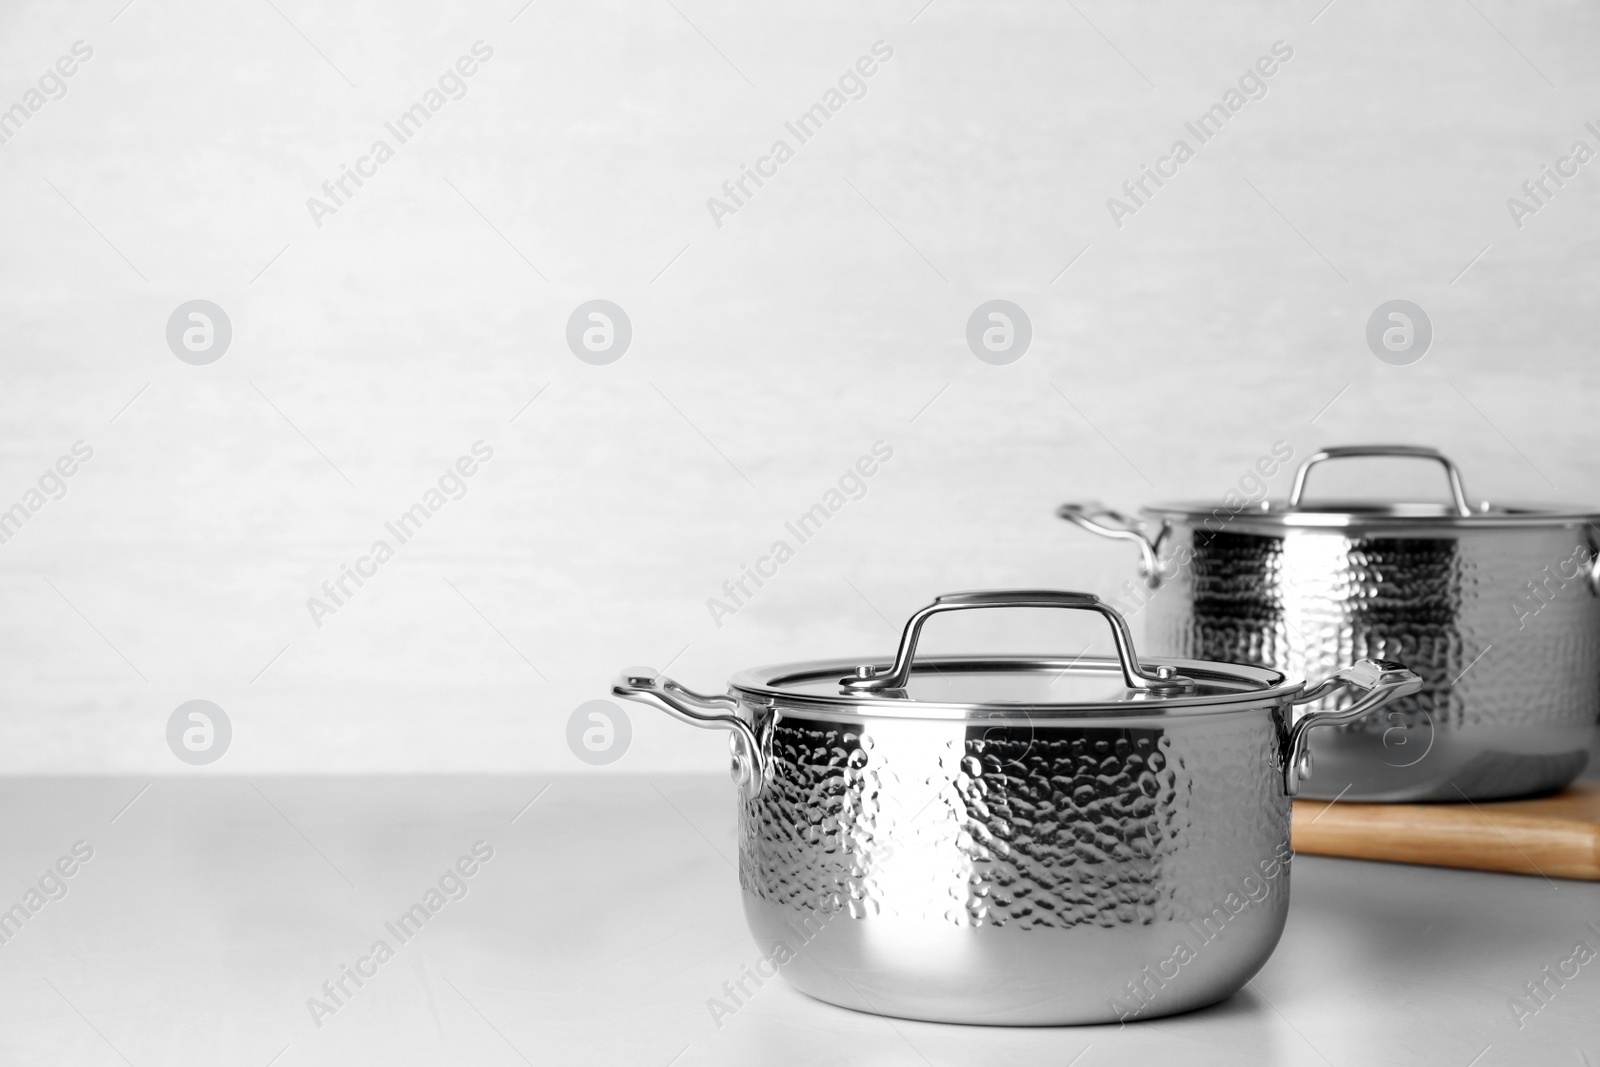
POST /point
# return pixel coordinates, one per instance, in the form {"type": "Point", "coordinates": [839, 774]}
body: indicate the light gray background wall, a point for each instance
{"type": "Point", "coordinates": [768, 353]}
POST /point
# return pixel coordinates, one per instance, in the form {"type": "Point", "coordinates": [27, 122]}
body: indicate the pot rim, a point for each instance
{"type": "Point", "coordinates": [1426, 518]}
{"type": "Point", "coordinates": [770, 686]}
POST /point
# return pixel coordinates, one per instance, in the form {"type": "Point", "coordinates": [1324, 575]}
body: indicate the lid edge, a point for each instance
{"type": "Point", "coordinates": [1271, 686]}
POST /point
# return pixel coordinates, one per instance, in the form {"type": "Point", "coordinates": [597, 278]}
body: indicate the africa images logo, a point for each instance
{"type": "Point", "coordinates": [451, 85]}
{"type": "Point", "coordinates": [52, 85]}
{"type": "Point", "coordinates": [852, 85]}
{"type": "Point", "coordinates": [452, 485]}
{"type": "Point", "coordinates": [453, 885]}
{"type": "Point", "coordinates": [1252, 85]}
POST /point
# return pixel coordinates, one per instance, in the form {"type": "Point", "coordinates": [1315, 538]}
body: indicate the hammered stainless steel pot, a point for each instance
{"type": "Point", "coordinates": [1016, 840]}
{"type": "Point", "coordinates": [1495, 606]}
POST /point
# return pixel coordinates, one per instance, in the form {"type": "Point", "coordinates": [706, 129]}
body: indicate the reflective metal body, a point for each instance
{"type": "Point", "coordinates": [1495, 607]}
{"type": "Point", "coordinates": [1016, 840]}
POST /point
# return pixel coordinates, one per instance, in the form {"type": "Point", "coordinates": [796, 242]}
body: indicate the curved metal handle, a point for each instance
{"type": "Point", "coordinates": [1135, 676]}
{"type": "Point", "coordinates": [709, 711]}
{"type": "Point", "coordinates": [1090, 516]}
{"type": "Point", "coordinates": [1457, 493]}
{"type": "Point", "coordinates": [1592, 572]}
{"type": "Point", "coordinates": [1381, 680]}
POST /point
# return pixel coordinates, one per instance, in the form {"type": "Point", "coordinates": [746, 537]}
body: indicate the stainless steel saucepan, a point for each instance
{"type": "Point", "coordinates": [1495, 606]}
{"type": "Point", "coordinates": [1017, 839]}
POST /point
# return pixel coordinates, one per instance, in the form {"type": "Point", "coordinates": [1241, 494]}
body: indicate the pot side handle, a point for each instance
{"type": "Point", "coordinates": [1380, 680]}
{"type": "Point", "coordinates": [709, 711]}
{"type": "Point", "coordinates": [1099, 519]}
{"type": "Point", "coordinates": [1593, 573]}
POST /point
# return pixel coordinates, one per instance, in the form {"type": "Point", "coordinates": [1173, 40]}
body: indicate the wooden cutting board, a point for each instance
{"type": "Point", "coordinates": [1556, 836]}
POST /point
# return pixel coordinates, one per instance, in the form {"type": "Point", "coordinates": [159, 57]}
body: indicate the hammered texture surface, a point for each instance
{"type": "Point", "coordinates": [1495, 639]}
{"type": "Point", "coordinates": [1500, 623]}
{"type": "Point", "coordinates": [1022, 827]}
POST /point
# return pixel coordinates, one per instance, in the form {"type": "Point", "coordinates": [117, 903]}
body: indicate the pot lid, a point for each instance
{"type": "Point", "coordinates": [1295, 512]}
{"type": "Point", "coordinates": [988, 687]}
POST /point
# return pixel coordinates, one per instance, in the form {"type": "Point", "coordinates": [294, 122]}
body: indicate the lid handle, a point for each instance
{"type": "Point", "coordinates": [1135, 676]}
{"type": "Point", "coordinates": [1457, 493]}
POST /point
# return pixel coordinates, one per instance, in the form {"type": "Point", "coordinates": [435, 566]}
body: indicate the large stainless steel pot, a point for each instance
{"type": "Point", "coordinates": [1494, 606]}
{"type": "Point", "coordinates": [1016, 840]}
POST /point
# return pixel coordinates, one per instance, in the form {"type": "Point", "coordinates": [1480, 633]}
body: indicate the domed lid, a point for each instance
{"type": "Point", "coordinates": [1269, 516]}
{"type": "Point", "coordinates": [997, 687]}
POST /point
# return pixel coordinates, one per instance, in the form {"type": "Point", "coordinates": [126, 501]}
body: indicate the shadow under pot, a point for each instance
{"type": "Point", "coordinates": [1494, 606]}
{"type": "Point", "coordinates": [1017, 840]}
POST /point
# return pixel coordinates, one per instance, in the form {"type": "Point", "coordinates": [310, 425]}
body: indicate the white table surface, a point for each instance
{"type": "Point", "coordinates": [214, 907]}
